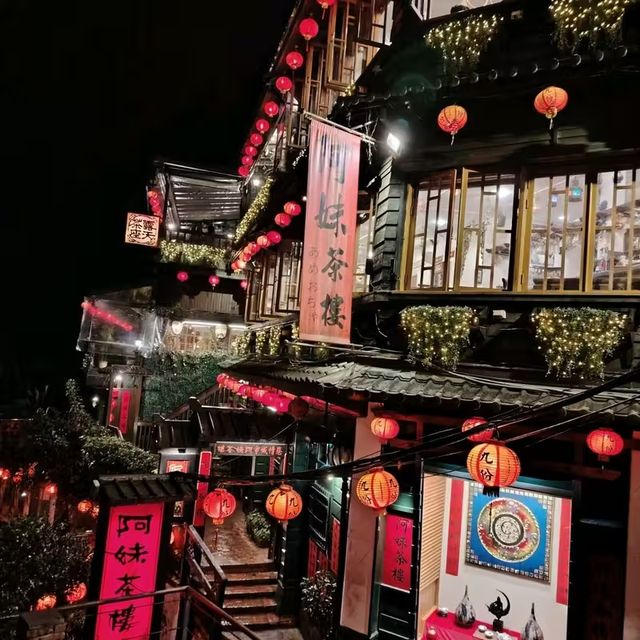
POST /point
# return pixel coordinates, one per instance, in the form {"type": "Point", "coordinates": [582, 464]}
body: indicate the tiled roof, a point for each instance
{"type": "Point", "coordinates": [146, 488]}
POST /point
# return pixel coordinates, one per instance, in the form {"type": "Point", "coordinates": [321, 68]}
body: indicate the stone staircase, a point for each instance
{"type": "Point", "coordinates": [250, 596]}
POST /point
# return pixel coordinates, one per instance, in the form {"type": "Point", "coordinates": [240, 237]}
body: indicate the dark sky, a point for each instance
{"type": "Point", "coordinates": [90, 94]}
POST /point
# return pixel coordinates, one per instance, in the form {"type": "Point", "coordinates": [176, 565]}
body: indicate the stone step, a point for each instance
{"type": "Point", "coordinates": [264, 621]}
{"type": "Point", "coordinates": [259, 577]}
{"type": "Point", "coordinates": [241, 606]}
{"type": "Point", "coordinates": [248, 568]}
{"type": "Point", "coordinates": [250, 590]}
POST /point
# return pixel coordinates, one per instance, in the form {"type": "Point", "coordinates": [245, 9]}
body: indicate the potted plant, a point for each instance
{"type": "Point", "coordinates": [259, 528]}
{"type": "Point", "coordinates": [317, 600]}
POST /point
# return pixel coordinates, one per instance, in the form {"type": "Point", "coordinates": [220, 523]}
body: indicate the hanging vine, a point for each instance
{"type": "Point", "coordinates": [258, 205]}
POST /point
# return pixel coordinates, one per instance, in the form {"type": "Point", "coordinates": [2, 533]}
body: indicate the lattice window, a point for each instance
{"type": "Point", "coordinates": [364, 242]}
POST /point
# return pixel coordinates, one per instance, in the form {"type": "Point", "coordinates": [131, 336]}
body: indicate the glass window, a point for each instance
{"type": "Point", "coordinates": [289, 280]}
{"type": "Point", "coordinates": [364, 242]}
{"type": "Point", "coordinates": [556, 244]}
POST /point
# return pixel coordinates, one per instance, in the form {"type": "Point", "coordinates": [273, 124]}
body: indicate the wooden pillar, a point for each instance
{"type": "Point", "coordinates": [632, 599]}
{"type": "Point", "coordinates": [361, 544]}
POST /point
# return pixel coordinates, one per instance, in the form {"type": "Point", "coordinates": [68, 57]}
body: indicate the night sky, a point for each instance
{"type": "Point", "coordinates": [90, 94]}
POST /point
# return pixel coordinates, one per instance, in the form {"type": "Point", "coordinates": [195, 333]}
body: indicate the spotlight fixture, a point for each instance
{"type": "Point", "coordinates": [393, 142]}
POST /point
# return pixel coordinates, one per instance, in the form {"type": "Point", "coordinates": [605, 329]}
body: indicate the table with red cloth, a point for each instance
{"type": "Point", "coordinates": [449, 630]}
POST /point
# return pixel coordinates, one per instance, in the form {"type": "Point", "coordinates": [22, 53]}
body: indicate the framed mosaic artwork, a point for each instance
{"type": "Point", "coordinates": [510, 533]}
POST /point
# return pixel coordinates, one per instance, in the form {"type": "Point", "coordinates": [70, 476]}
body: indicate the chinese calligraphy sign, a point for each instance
{"type": "Point", "coordinates": [276, 449]}
{"type": "Point", "coordinates": [329, 239]}
{"type": "Point", "coordinates": [142, 229]}
{"type": "Point", "coordinates": [396, 566]}
{"type": "Point", "coordinates": [202, 487]}
{"type": "Point", "coordinates": [130, 568]}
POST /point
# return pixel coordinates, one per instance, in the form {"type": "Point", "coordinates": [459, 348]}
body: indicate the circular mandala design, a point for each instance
{"type": "Point", "coordinates": [508, 530]}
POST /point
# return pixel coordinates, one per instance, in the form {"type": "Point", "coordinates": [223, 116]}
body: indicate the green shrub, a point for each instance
{"type": "Point", "coordinates": [317, 598]}
{"type": "Point", "coordinates": [259, 528]}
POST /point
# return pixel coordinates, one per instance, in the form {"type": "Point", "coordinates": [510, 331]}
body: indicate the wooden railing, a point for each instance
{"type": "Point", "coordinates": [204, 572]}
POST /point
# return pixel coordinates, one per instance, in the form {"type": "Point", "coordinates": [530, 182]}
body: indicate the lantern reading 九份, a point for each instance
{"type": "Point", "coordinates": [482, 436]}
{"type": "Point", "coordinates": [493, 465]}
{"type": "Point", "coordinates": [451, 119]}
{"type": "Point", "coordinates": [550, 101]}
{"type": "Point", "coordinates": [284, 503]}
{"type": "Point", "coordinates": [385, 428]}
{"type": "Point", "coordinates": [378, 490]}
{"type": "Point", "coordinates": [219, 505]}
{"type": "Point", "coordinates": [605, 443]}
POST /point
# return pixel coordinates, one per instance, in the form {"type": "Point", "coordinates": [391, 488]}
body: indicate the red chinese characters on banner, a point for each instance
{"type": "Point", "coordinates": [202, 488]}
{"type": "Point", "coordinates": [130, 568]}
{"type": "Point", "coordinates": [249, 449]}
{"type": "Point", "coordinates": [396, 565]}
{"type": "Point", "coordinates": [125, 401]}
{"type": "Point", "coordinates": [329, 236]}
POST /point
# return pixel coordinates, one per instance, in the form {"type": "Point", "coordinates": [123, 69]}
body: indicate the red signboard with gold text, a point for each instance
{"type": "Point", "coordinates": [130, 568]}
{"type": "Point", "coordinates": [329, 235]}
{"type": "Point", "coordinates": [396, 565]}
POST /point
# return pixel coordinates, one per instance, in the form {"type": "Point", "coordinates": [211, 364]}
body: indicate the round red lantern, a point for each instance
{"type": "Point", "coordinates": [219, 505]}
{"type": "Point", "coordinates": [5, 474]}
{"type": "Point", "coordinates": [377, 489]}
{"type": "Point", "coordinates": [282, 404]}
{"type": "Point", "coordinates": [308, 28]}
{"type": "Point", "coordinates": [550, 101]}
{"type": "Point", "coordinates": [292, 208]}
{"type": "Point", "coordinates": [284, 84]}
{"type": "Point", "coordinates": [243, 171]}
{"type": "Point", "coordinates": [244, 284]}
{"type": "Point", "coordinates": [451, 119]}
{"type": "Point", "coordinates": [385, 428]}
{"type": "Point", "coordinates": [263, 242]}
{"type": "Point", "coordinates": [250, 150]}
{"type": "Point", "coordinates": [221, 377]}
{"type": "Point", "coordinates": [51, 488]}
{"type": "Point", "coordinates": [253, 248]}
{"type": "Point", "coordinates": [214, 280]}
{"type": "Point", "coordinates": [271, 108]}
{"type": "Point", "coordinates": [482, 436]}
{"type": "Point", "coordinates": [47, 601]}
{"type": "Point", "coordinates": [274, 237]}
{"type": "Point", "coordinates": [84, 506]}
{"type": "Point", "coordinates": [258, 394]}
{"type": "Point", "coordinates": [298, 408]}
{"type": "Point", "coordinates": [234, 266]}
{"type": "Point", "coordinates": [493, 465]}
{"type": "Point", "coordinates": [95, 512]}
{"type": "Point", "coordinates": [242, 264]}
{"type": "Point", "coordinates": [262, 125]}
{"type": "Point", "coordinates": [605, 443]}
{"type": "Point", "coordinates": [182, 276]}
{"type": "Point", "coordinates": [284, 503]}
{"type": "Point", "coordinates": [243, 389]}
{"type": "Point", "coordinates": [256, 139]}
{"type": "Point", "coordinates": [246, 161]}
{"type": "Point", "coordinates": [18, 476]}
{"type": "Point", "coordinates": [76, 593]}
{"type": "Point", "coordinates": [282, 220]}
{"type": "Point", "coordinates": [325, 4]}
{"type": "Point", "coordinates": [294, 60]}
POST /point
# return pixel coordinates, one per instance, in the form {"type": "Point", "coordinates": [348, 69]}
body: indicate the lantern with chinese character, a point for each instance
{"type": "Point", "coordinates": [378, 490]}
{"type": "Point", "coordinates": [84, 506]}
{"type": "Point", "coordinates": [482, 436]}
{"type": "Point", "coordinates": [214, 280]}
{"type": "Point", "coordinates": [243, 171]}
{"type": "Point", "coordinates": [282, 220]}
{"type": "Point", "coordinates": [298, 408]}
{"type": "Point", "coordinates": [219, 505]}
{"type": "Point", "coordinates": [550, 101]}
{"type": "Point", "coordinates": [292, 208]}
{"type": "Point", "coordinates": [385, 428]}
{"type": "Point", "coordinates": [47, 601]}
{"type": "Point", "coordinates": [284, 503]}
{"type": "Point", "coordinates": [451, 119]}
{"type": "Point", "coordinates": [294, 60]}
{"type": "Point", "coordinates": [263, 242]}
{"type": "Point", "coordinates": [262, 125]}
{"type": "Point", "coordinates": [51, 488]}
{"type": "Point", "coordinates": [182, 276]}
{"type": "Point", "coordinates": [256, 139]}
{"type": "Point", "coordinates": [271, 108]}
{"type": "Point", "coordinates": [308, 28]}
{"type": "Point", "coordinates": [284, 84]}
{"type": "Point", "coordinates": [250, 150]}
{"type": "Point", "coordinates": [605, 443]}
{"type": "Point", "coordinates": [493, 465]}
{"type": "Point", "coordinates": [76, 593]}
{"type": "Point", "coordinates": [274, 237]}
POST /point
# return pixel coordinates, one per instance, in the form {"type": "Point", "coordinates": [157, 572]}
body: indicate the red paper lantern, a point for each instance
{"type": "Point", "coordinates": [271, 108]}
{"type": "Point", "coordinates": [385, 428]}
{"type": "Point", "coordinates": [214, 280]}
{"type": "Point", "coordinates": [243, 171]}
{"type": "Point", "coordinates": [263, 242]}
{"type": "Point", "coordinates": [243, 389]}
{"type": "Point", "coordinates": [258, 394]}
{"type": "Point", "coordinates": [282, 220]}
{"type": "Point", "coordinates": [377, 489]}
{"type": "Point", "coordinates": [250, 150]}
{"type": "Point", "coordinates": [5, 474]}
{"type": "Point", "coordinates": [244, 284]}
{"type": "Point", "coordinates": [605, 443]}
{"type": "Point", "coordinates": [182, 276]}
{"type": "Point", "coordinates": [298, 408]}
{"type": "Point", "coordinates": [246, 161]}
{"type": "Point", "coordinates": [47, 601]}
{"type": "Point", "coordinates": [482, 436]}
{"type": "Point", "coordinates": [451, 119]}
{"type": "Point", "coordinates": [256, 139]}
{"type": "Point", "coordinates": [550, 101]}
{"type": "Point", "coordinates": [493, 465]}
{"type": "Point", "coordinates": [262, 125]}
{"type": "Point", "coordinates": [270, 399]}
{"type": "Point", "coordinates": [292, 208]}
{"type": "Point", "coordinates": [221, 377]}
{"type": "Point", "coordinates": [84, 506]}
{"type": "Point", "coordinates": [294, 60]}
{"type": "Point", "coordinates": [76, 593]}
{"type": "Point", "coordinates": [282, 404]}
{"type": "Point", "coordinates": [234, 266]}
{"type": "Point", "coordinates": [284, 503]}
{"type": "Point", "coordinates": [253, 248]}
{"type": "Point", "coordinates": [308, 28]}
{"type": "Point", "coordinates": [284, 84]}
{"type": "Point", "coordinates": [274, 237]}
{"type": "Point", "coordinates": [51, 488]}
{"type": "Point", "coordinates": [325, 4]}
{"type": "Point", "coordinates": [242, 264]}
{"type": "Point", "coordinates": [219, 505]}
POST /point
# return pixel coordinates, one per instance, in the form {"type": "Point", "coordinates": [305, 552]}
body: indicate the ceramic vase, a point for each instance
{"type": "Point", "coordinates": [465, 613]}
{"type": "Point", "coordinates": [532, 630]}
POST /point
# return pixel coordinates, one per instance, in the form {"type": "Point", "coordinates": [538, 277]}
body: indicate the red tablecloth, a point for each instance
{"type": "Point", "coordinates": [449, 630]}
